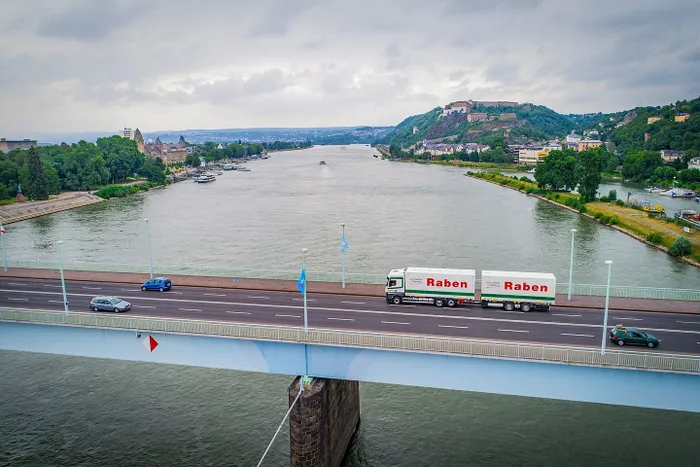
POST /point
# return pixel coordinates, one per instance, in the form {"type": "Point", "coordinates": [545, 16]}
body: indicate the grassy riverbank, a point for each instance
{"type": "Point", "coordinates": [121, 191]}
{"type": "Point", "coordinates": [658, 232]}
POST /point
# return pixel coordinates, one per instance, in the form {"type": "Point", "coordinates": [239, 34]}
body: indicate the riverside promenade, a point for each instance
{"type": "Point", "coordinates": [17, 212]}
{"type": "Point", "coordinates": [334, 288]}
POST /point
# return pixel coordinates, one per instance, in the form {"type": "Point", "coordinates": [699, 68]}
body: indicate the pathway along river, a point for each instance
{"type": "Point", "coordinates": [60, 410]}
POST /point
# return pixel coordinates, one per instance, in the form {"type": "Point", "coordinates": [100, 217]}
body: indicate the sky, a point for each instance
{"type": "Point", "coordinates": [89, 65]}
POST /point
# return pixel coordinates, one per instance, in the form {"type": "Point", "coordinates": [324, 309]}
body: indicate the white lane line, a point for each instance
{"type": "Point", "coordinates": [20, 299]}
{"type": "Point", "coordinates": [342, 319]}
{"type": "Point", "coordinates": [55, 286]}
{"type": "Point", "coordinates": [688, 322]}
{"type": "Point", "coordinates": [395, 322]}
{"type": "Point", "coordinates": [143, 306]}
{"type": "Point", "coordinates": [393, 312]}
{"type": "Point", "coordinates": [576, 335]}
{"type": "Point", "coordinates": [567, 315]}
{"type": "Point", "coordinates": [214, 294]}
{"type": "Point", "coordinates": [55, 301]}
{"type": "Point", "coordinates": [301, 299]}
{"type": "Point", "coordinates": [92, 288]}
{"type": "Point", "coordinates": [176, 293]}
{"type": "Point", "coordinates": [15, 283]}
{"type": "Point", "coordinates": [515, 330]}
{"type": "Point", "coordinates": [353, 303]}
{"type": "Point", "coordinates": [258, 297]}
{"type": "Point", "coordinates": [238, 312]}
{"type": "Point", "coordinates": [402, 306]}
{"type": "Point", "coordinates": [288, 316]}
{"type": "Point", "coordinates": [189, 309]}
{"type": "Point", "coordinates": [449, 326]}
{"type": "Point", "coordinates": [627, 319]}
{"type": "Point", "coordinates": [129, 290]}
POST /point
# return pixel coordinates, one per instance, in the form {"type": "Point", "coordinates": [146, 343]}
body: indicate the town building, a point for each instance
{"type": "Point", "coordinates": [532, 155]}
{"type": "Point", "coordinates": [681, 117]}
{"type": "Point", "coordinates": [508, 116]}
{"type": "Point", "coordinates": [126, 133]}
{"type": "Point", "coordinates": [572, 138]}
{"type": "Point", "coordinates": [585, 144]}
{"type": "Point", "coordinates": [168, 153]}
{"type": "Point", "coordinates": [651, 120]}
{"type": "Point", "coordinates": [694, 163]}
{"type": "Point", "coordinates": [415, 130]}
{"type": "Point", "coordinates": [7, 145]}
{"type": "Point", "coordinates": [670, 155]}
{"type": "Point", "coordinates": [477, 116]}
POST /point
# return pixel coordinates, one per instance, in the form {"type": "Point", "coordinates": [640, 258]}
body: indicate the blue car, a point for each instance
{"type": "Point", "coordinates": [157, 283]}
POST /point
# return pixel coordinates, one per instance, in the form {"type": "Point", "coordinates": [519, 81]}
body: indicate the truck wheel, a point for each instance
{"type": "Point", "coordinates": [508, 306]}
{"type": "Point", "coordinates": [439, 302]}
{"type": "Point", "coordinates": [525, 307]}
{"type": "Point", "coordinates": [396, 300]}
{"type": "Point", "coordinates": [484, 304]}
{"type": "Point", "coordinates": [451, 302]}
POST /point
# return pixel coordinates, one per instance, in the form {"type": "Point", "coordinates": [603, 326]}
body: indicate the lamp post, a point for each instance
{"type": "Point", "coordinates": [2, 240]}
{"type": "Point", "coordinates": [150, 251]}
{"type": "Point", "coordinates": [63, 280]}
{"type": "Point", "coordinates": [306, 379]}
{"type": "Point", "coordinates": [342, 251]}
{"type": "Point", "coordinates": [607, 301]}
{"type": "Point", "coordinates": [571, 263]}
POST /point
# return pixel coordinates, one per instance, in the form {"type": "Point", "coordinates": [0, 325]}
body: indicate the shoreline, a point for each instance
{"type": "Point", "coordinates": [21, 211]}
{"type": "Point", "coordinates": [634, 235]}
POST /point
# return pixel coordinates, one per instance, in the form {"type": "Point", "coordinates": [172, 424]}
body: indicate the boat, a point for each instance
{"type": "Point", "coordinates": [531, 171]}
{"type": "Point", "coordinates": [678, 193]}
{"type": "Point", "coordinates": [322, 163]}
{"type": "Point", "coordinates": [219, 173]}
{"type": "Point", "coordinates": [204, 178]}
{"type": "Point", "coordinates": [243, 168]}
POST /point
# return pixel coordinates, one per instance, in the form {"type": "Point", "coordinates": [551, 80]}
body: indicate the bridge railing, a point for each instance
{"type": "Point", "coordinates": [373, 340]}
{"type": "Point", "coordinates": [356, 278]}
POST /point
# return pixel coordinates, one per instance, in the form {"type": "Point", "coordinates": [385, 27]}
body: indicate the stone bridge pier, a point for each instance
{"type": "Point", "coordinates": [323, 421]}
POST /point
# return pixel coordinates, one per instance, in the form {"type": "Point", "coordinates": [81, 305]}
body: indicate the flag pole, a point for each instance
{"type": "Point", "coordinates": [342, 251]}
{"type": "Point", "coordinates": [2, 240]}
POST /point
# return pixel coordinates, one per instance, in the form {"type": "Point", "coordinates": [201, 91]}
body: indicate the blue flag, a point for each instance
{"type": "Point", "coordinates": [301, 283]}
{"type": "Point", "coordinates": [343, 244]}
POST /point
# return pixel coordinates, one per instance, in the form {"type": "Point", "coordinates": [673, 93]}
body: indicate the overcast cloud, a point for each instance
{"type": "Point", "coordinates": [83, 65]}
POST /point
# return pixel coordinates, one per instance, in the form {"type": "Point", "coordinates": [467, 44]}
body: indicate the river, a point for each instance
{"type": "Point", "coordinates": [58, 410]}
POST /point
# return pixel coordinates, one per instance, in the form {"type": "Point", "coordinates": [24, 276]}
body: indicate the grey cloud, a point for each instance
{"type": "Point", "coordinates": [90, 20]}
{"type": "Point", "coordinates": [468, 7]}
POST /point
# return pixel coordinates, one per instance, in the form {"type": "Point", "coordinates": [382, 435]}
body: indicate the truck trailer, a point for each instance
{"type": "Point", "coordinates": [526, 290]}
{"type": "Point", "coordinates": [441, 287]}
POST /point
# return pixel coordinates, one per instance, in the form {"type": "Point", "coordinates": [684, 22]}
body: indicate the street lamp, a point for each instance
{"type": "Point", "coordinates": [2, 240]}
{"type": "Point", "coordinates": [571, 263]}
{"type": "Point", "coordinates": [306, 379]}
{"type": "Point", "coordinates": [63, 280]}
{"type": "Point", "coordinates": [607, 301]}
{"type": "Point", "coordinates": [150, 251]}
{"type": "Point", "coordinates": [342, 251]}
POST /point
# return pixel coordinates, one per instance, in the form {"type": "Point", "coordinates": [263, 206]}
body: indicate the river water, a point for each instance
{"type": "Point", "coordinates": [57, 410]}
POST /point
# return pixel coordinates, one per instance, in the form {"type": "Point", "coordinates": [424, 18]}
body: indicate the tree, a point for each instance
{"type": "Point", "coordinates": [556, 172]}
{"type": "Point", "coordinates": [37, 183]}
{"type": "Point", "coordinates": [588, 172]}
{"type": "Point", "coordinates": [640, 165]}
{"type": "Point", "coordinates": [662, 174]}
{"type": "Point", "coordinates": [681, 247]}
{"type": "Point", "coordinates": [689, 176]}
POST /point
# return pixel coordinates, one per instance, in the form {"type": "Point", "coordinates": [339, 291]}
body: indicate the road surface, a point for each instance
{"type": "Point", "coordinates": [679, 333]}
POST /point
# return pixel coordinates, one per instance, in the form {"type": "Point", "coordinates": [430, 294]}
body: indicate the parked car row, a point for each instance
{"type": "Point", "coordinates": [117, 305]}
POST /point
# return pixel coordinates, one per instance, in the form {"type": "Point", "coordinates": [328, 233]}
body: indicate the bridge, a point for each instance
{"type": "Point", "coordinates": [255, 325]}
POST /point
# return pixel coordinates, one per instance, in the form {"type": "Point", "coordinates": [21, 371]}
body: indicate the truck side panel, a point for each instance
{"type": "Point", "coordinates": [460, 284]}
{"type": "Point", "coordinates": [516, 287]}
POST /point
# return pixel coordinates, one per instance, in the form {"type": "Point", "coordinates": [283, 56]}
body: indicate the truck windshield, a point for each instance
{"type": "Point", "coordinates": [391, 283]}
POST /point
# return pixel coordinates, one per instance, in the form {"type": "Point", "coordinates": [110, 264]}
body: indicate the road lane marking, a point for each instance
{"type": "Point", "coordinates": [129, 290]}
{"type": "Point", "coordinates": [176, 293]}
{"type": "Point", "coordinates": [55, 301]}
{"type": "Point", "coordinates": [576, 335]}
{"type": "Point", "coordinates": [567, 315]}
{"type": "Point", "coordinates": [20, 299]}
{"type": "Point", "coordinates": [189, 309]}
{"type": "Point", "coordinates": [288, 316]}
{"type": "Point", "coordinates": [688, 322]}
{"type": "Point", "coordinates": [49, 285]}
{"type": "Point", "coordinates": [258, 297]}
{"type": "Point", "coordinates": [143, 306]}
{"type": "Point", "coordinates": [15, 283]}
{"type": "Point", "coordinates": [627, 319]}
{"type": "Point", "coordinates": [353, 303]}
{"type": "Point", "coordinates": [300, 299]}
{"type": "Point", "coordinates": [392, 312]}
{"type": "Point", "coordinates": [450, 326]}
{"type": "Point", "coordinates": [237, 312]}
{"type": "Point", "coordinates": [515, 330]}
{"type": "Point", "coordinates": [395, 322]}
{"type": "Point", "coordinates": [92, 288]}
{"type": "Point", "coordinates": [342, 319]}
{"type": "Point", "coordinates": [213, 294]}
{"type": "Point", "coordinates": [402, 306]}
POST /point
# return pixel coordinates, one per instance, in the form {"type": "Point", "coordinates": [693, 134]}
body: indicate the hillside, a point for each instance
{"type": "Point", "coordinates": [529, 123]}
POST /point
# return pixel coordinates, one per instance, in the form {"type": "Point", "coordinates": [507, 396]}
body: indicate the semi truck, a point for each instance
{"type": "Point", "coordinates": [451, 287]}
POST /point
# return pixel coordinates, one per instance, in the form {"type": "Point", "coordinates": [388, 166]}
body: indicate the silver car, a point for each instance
{"type": "Point", "coordinates": [114, 304]}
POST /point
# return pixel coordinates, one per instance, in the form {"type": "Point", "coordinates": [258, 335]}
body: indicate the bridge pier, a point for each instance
{"type": "Point", "coordinates": [322, 422]}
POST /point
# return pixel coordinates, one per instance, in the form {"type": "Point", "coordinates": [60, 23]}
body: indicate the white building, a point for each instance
{"type": "Point", "coordinates": [531, 156]}
{"type": "Point", "coordinates": [694, 163]}
{"type": "Point", "coordinates": [126, 133]}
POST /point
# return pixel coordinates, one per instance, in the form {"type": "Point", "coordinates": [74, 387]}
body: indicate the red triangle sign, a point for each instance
{"type": "Point", "coordinates": [152, 343]}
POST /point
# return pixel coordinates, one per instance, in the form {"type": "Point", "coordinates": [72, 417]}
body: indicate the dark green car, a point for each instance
{"type": "Point", "coordinates": [632, 336]}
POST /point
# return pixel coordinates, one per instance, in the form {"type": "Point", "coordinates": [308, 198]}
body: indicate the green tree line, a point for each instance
{"type": "Point", "coordinates": [48, 170]}
{"type": "Point", "coordinates": [211, 153]}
